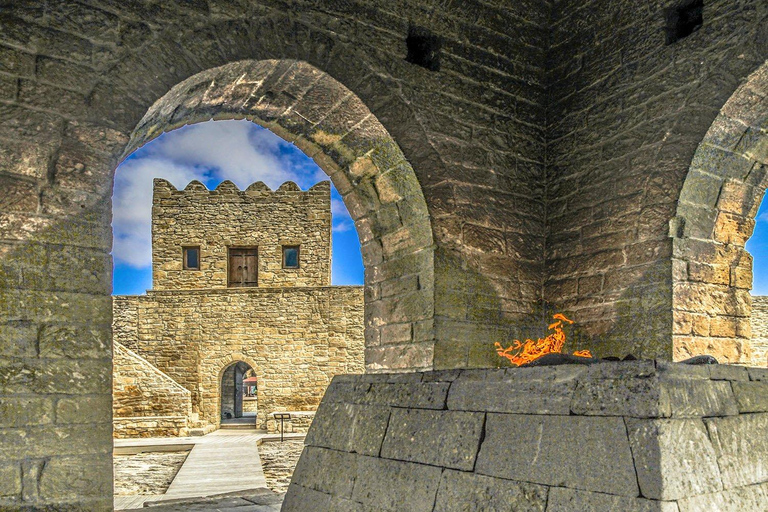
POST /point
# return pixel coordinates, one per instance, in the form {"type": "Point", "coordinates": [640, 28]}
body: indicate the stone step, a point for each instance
{"type": "Point", "coordinates": [237, 426]}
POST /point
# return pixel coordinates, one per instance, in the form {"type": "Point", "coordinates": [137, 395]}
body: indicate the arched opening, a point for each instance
{"type": "Point", "coordinates": [379, 187]}
{"type": "Point", "coordinates": [712, 270]}
{"type": "Point", "coordinates": [238, 394]}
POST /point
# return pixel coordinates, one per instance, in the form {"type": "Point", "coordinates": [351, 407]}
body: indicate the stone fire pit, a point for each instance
{"type": "Point", "coordinates": [629, 436]}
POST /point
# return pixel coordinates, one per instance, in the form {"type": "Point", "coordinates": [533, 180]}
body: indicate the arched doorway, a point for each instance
{"type": "Point", "coordinates": [712, 270]}
{"type": "Point", "coordinates": [238, 394]}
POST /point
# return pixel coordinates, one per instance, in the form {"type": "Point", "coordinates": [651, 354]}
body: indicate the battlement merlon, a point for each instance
{"type": "Point", "coordinates": [162, 188]}
{"type": "Point", "coordinates": [225, 218]}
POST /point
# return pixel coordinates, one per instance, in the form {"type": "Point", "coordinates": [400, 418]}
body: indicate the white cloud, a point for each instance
{"type": "Point", "coordinates": [342, 221]}
{"type": "Point", "coordinates": [342, 227]}
{"type": "Point", "coordinates": [209, 152]}
{"type": "Point", "coordinates": [232, 150]}
{"type": "Point", "coordinates": [132, 205]}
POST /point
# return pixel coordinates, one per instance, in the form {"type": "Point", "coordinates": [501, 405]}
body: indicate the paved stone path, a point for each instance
{"type": "Point", "coordinates": [224, 462]}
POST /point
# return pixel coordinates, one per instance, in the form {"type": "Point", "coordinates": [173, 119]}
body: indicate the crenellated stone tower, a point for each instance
{"type": "Point", "coordinates": [239, 276]}
{"type": "Point", "coordinates": [227, 225]}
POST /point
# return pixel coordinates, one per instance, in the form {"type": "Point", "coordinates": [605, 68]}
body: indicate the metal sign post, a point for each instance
{"type": "Point", "coordinates": [282, 416]}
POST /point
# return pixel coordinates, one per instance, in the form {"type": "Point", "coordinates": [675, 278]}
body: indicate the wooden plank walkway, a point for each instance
{"type": "Point", "coordinates": [223, 461]}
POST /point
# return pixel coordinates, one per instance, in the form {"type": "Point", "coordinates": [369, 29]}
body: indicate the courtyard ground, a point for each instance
{"type": "Point", "coordinates": [208, 473]}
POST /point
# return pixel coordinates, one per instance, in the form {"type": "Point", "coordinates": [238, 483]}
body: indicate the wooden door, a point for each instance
{"type": "Point", "coordinates": [243, 266]}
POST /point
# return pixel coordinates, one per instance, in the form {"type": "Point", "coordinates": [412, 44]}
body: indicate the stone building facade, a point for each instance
{"type": "Point", "coordinates": [256, 291]}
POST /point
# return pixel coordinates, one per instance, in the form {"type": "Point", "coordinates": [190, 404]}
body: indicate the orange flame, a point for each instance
{"type": "Point", "coordinates": [520, 353]}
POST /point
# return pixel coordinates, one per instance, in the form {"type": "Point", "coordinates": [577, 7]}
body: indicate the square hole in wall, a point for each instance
{"type": "Point", "coordinates": [423, 48]}
{"type": "Point", "coordinates": [685, 19]}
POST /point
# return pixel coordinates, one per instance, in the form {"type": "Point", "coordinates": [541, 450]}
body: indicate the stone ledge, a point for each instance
{"type": "Point", "coordinates": [603, 455]}
{"type": "Point", "coordinates": [751, 396]}
{"type": "Point", "coordinates": [561, 499]}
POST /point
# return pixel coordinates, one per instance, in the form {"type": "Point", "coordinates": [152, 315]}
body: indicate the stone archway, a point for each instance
{"type": "Point", "coordinates": [231, 395]}
{"type": "Point", "coordinates": [712, 271]}
{"type": "Point", "coordinates": [331, 125]}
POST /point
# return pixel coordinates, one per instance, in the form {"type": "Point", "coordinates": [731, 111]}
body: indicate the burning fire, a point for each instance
{"type": "Point", "coordinates": [520, 353]}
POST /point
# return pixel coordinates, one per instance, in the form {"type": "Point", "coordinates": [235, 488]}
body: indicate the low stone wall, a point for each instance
{"type": "Point", "coordinates": [299, 423]}
{"type": "Point", "coordinates": [150, 426]}
{"type": "Point", "coordinates": [146, 402]}
{"type": "Point", "coordinates": [759, 324]}
{"type": "Point", "coordinates": [630, 436]}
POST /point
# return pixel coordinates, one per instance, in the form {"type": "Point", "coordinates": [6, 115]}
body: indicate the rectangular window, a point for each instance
{"type": "Point", "coordinates": [243, 266]}
{"type": "Point", "coordinates": [191, 257]}
{"type": "Point", "coordinates": [290, 256]}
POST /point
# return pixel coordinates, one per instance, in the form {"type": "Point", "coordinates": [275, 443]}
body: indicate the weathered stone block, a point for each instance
{"type": "Point", "coordinates": [751, 396]}
{"type": "Point", "coordinates": [673, 458]}
{"type": "Point", "coordinates": [300, 498]}
{"type": "Point", "coordinates": [728, 372]}
{"type": "Point", "coordinates": [460, 491]}
{"type": "Point", "coordinates": [697, 398]}
{"type": "Point", "coordinates": [541, 390]}
{"type": "Point", "coordinates": [75, 478]}
{"type": "Point", "coordinates": [346, 392]}
{"type": "Point", "coordinates": [395, 486]}
{"type": "Point", "coordinates": [741, 447]}
{"type": "Point", "coordinates": [41, 441]}
{"type": "Point", "coordinates": [20, 412]}
{"type": "Point", "coordinates": [640, 398]}
{"type": "Point", "coordinates": [349, 428]}
{"type": "Point", "coordinates": [10, 479]}
{"type": "Point", "coordinates": [568, 500]}
{"type": "Point", "coordinates": [752, 497]}
{"type": "Point", "coordinates": [438, 438]}
{"type": "Point", "coordinates": [327, 471]}
{"type": "Point", "coordinates": [758, 373]}
{"type": "Point", "coordinates": [425, 395]}
{"type": "Point", "coordinates": [589, 453]}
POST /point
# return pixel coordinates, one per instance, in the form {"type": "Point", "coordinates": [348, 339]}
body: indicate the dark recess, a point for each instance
{"type": "Point", "coordinates": [423, 48]}
{"type": "Point", "coordinates": [684, 20]}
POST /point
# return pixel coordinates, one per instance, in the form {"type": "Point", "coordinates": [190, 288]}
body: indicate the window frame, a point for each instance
{"type": "Point", "coordinates": [185, 257]}
{"type": "Point", "coordinates": [298, 255]}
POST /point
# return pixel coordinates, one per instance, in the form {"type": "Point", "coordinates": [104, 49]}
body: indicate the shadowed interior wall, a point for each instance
{"type": "Point", "coordinates": [566, 127]}
{"type": "Point", "coordinates": [626, 112]}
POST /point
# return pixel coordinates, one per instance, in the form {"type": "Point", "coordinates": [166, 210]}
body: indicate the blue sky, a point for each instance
{"type": "Point", "coordinates": [757, 246]}
{"type": "Point", "coordinates": [212, 152]}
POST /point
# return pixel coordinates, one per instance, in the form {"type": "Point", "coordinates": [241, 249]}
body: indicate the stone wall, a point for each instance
{"type": "Point", "coordinates": [759, 325]}
{"type": "Point", "coordinates": [145, 401]}
{"type": "Point", "coordinates": [626, 113]}
{"type": "Point", "coordinates": [631, 436]}
{"type": "Point", "coordinates": [296, 339]}
{"type": "Point", "coordinates": [439, 164]}
{"type": "Point", "coordinates": [227, 217]}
